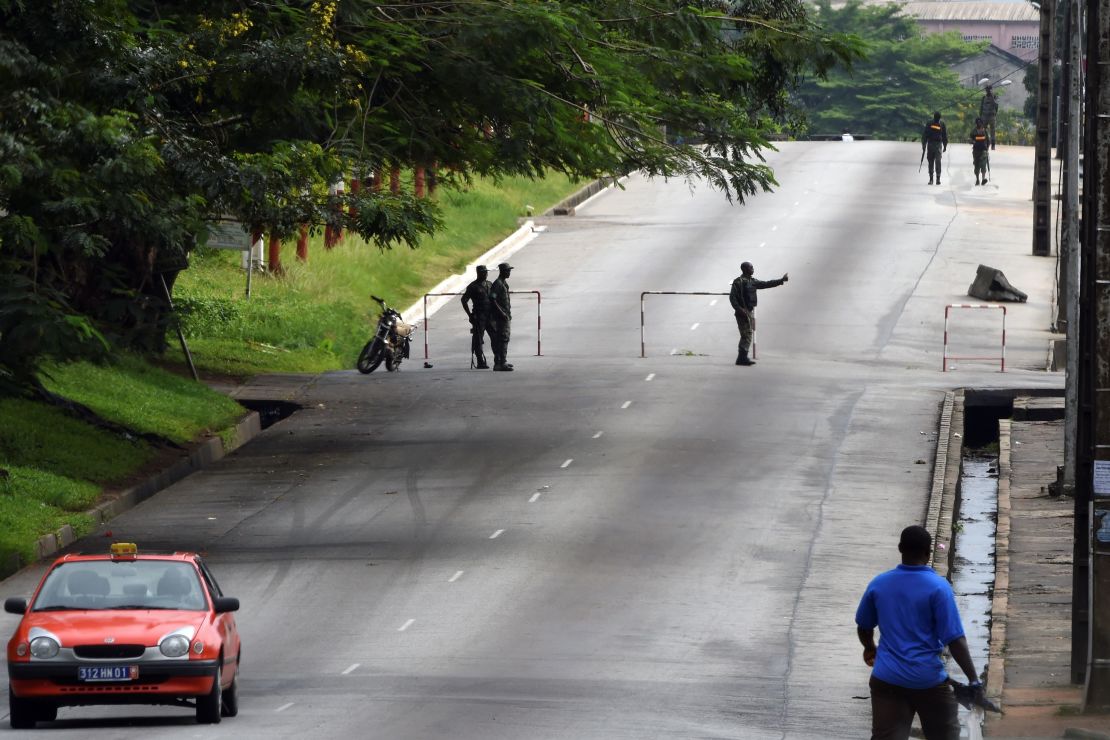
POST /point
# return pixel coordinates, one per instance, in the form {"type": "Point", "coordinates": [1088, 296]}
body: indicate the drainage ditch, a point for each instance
{"type": "Point", "coordinates": [270, 412]}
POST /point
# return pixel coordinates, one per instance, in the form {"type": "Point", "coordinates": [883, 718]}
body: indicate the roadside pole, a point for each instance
{"type": "Point", "coordinates": [1042, 162]}
{"type": "Point", "coordinates": [1069, 263]}
{"type": "Point", "coordinates": [1092, 499]}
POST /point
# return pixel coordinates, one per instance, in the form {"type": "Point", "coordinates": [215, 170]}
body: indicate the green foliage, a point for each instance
{"type": "Point", "coordinates": [128, 125]}
{"type": "Point", "coordinates": [905, 77]}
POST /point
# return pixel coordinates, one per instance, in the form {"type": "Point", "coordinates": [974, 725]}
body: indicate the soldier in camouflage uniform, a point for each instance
{"type": "Point", "coordinates": [743, 297]}
{"type": "Point", "coordinates": [500, 317]}
{"type": "Point", "coordinates": [477, 295]}
{"type": "Point", "coordinates": [988, 111]}
{"type": "Point", "coordinates": [934, 141]}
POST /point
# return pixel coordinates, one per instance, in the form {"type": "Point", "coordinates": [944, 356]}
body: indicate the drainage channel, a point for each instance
{"type": "Point", "coordinates": [972, 571]}
{"type": "Point", "coordinates": [269, 412]}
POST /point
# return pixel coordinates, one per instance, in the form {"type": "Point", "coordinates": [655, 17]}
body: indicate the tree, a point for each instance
{"type": "Point", "coordinates": [127, 126]}
{"type": "Point", "coordinates": [905, 77]}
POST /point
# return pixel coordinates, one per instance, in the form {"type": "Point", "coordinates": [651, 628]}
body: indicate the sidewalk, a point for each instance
{"type": "Point", "coordinates": [1032, 599]}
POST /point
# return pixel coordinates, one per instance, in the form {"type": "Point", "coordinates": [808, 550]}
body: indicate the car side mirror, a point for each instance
{"type": "Point", "coordinates": [224, 604]}
{"type": "Point", "coordinates": [15, 606]}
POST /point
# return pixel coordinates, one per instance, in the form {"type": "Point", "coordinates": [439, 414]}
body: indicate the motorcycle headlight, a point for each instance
{"type": "Point", "coordinates": [44, 648]}
{"type": "Point", "coordinates": [174, 646]}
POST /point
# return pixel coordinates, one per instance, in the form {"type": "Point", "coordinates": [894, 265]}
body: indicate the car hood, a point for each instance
{"type": "Point", "coordinates": [131, 627]}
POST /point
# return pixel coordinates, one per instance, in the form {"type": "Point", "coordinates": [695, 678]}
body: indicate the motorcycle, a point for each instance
{"type": "Point", "coordinates": [391, 341]}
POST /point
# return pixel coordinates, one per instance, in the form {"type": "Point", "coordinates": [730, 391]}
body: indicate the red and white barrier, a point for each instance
{"type": "Point", "coordinates": [643, 341]}
{"type": "Point", "coordinates": [1001, 357]}
{"type": "Point", "coordinates": [539, 323]}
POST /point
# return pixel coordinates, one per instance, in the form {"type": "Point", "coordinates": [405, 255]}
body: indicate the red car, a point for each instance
{"type": "Point", "coordinates": [124, 628]}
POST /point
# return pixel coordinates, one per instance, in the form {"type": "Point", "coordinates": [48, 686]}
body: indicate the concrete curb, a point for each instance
{"type": "Point", "coordinates": [1000, 599]}
{"type": "Point", "coordinates": [204, 455]}
{"type": "Point", "coordinates": [946, 477]}
{"type": "Point", "coordinates": [566, 206]}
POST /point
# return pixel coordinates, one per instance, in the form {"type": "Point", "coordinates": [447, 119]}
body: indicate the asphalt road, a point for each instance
{"type": "Point", "coordinates": [599, 545]}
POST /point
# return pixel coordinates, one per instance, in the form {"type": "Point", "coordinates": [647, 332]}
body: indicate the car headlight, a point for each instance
{"type": "Point", "coordinates": [174, 646]}
{"type": "Point", "coordinates": [44, 648]}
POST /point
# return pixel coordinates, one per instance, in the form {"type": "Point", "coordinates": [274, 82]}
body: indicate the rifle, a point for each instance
{"type": "Point", "coordinates": [970, 696]}
{"type": "Point", "coordinates": [922, 161]}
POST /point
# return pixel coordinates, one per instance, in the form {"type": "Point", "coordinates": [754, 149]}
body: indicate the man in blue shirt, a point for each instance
{"type": "Point", "coordinates": [915, 611]}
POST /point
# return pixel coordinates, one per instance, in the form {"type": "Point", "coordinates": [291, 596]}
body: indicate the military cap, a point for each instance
{"type": "Point", "coordinates": [504, 266]}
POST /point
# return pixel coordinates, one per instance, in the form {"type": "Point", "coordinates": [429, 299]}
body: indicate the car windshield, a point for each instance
{"type": "Point", "coordinates": [121, 584]}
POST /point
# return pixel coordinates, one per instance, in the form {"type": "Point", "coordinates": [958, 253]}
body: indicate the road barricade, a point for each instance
{"type": "Point", "coordinates": [1001, 357]}
{"type": "Point", "coordinates": [539, 325]}
{"type": "Point", "coordinates": [643, 341]}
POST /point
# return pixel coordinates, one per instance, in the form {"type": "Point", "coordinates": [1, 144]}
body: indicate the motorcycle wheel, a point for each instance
{"type": "Point", "coordinates": [392, 361]}
{"type": "Point", "coordinates": [371, 356]}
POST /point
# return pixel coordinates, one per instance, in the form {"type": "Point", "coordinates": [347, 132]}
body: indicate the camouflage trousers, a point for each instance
{"type": "Point", "coordinates": [499, 340]}
{"type": "Point", "coordinates": [745, 322]}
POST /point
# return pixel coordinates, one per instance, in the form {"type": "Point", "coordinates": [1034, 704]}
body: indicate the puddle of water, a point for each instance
{"type": "Point", "coordinates": [972, 572]}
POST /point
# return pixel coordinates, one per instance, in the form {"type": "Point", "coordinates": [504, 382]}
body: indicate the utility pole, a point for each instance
{"type": "Point", "coordinates": [1091, 582]}
{"type": "Point", "coordinates": [1042, 163]}
{"type": "Point", "coordinates": [1068, 260]}
{"type": "Point", "coordinates": [1069, 241]}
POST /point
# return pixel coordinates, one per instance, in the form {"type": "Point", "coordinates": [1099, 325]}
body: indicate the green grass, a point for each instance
{"type": "Point", "coordinates": [54, 466]}
{"type": "Point", "coordinates": [147, 399]}
{"type": "Point", "coordinates": [317, 316]}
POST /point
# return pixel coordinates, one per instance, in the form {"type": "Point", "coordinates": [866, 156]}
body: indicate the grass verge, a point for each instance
{"type": "Point", "coordinates": [54, 467]}
{"type": "Point", "coordinates": [317, 316]}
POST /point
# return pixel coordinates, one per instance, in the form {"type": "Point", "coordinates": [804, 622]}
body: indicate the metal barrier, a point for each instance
{"type": "Point", "coordinates": [539, 301]}
{"type": "Point", "coordinates": [947, 357]}
{"type": "Point", "coordinates": [643, 344]}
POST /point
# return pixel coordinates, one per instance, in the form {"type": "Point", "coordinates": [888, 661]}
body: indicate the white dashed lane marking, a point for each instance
{"type": "Point", "coordinates": [535, 498]}
{"type": "Point", "coordinates": [597, 435]}
{"type": "Point", "coordinates": [567, 462]}
{"type": "Point", "coordinates": [713, 302]}
{"type": "Point", "coordinates": [763, 244]}
{"type": "Point", "coordinates": [649, 378]}
{"type": "Point", "coordinates": [457, 576]}
{"type": "Point", "coordinates": [496, 534]}
{"type": "Point", "coordinates": [695, 326]}
{"type": "Point", "coordinates": [283, 707]}
{"type": "Point", "coordinates": [775, 227]}
{"type": "Point", "coordinates": [626, 404]}
{"type": "Point", "coordinates": [351, 668]}
{"type": "Point", "coordinates": [406, 625]}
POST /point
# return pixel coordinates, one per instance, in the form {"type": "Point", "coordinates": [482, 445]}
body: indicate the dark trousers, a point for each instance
{"type": "Point", "coordinates": [933, 153]}
{"type": "Point", "coordinates": [479, 325]}
{"type": "Point", "coordinates": [893, 708]}
{"type": "Point", "coordinates": [745, 322]}
{"type": "Point", "coordinates": [499, 340]}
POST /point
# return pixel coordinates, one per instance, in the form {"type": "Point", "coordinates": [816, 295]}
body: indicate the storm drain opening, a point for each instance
{"type": "Point", "coordinates": [270, 412]}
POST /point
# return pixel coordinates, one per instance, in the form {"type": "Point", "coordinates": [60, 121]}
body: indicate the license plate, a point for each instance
{"type": "Point", "coordinates": [108, 673]}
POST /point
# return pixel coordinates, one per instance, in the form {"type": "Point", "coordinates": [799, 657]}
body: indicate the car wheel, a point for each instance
{"type": "Point", "coordinates": [209, 705]}
{"type": "Point", "coordinates": [231, 697]}
{"type": "Point", "coordinates": [22, 713]}
{"type": "Point", "coordinates": [47, 712]}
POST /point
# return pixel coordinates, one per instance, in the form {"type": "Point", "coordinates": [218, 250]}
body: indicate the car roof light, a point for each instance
{"type": "Point", "coordinates": [124, 550]}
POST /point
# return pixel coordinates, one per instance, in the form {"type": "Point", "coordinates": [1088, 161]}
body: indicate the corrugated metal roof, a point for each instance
{"type": "Point", "coordinates": [955, 10]}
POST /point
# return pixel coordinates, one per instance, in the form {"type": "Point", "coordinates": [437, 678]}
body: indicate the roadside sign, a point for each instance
{"type": "Point", "coordinates": [228, 235]}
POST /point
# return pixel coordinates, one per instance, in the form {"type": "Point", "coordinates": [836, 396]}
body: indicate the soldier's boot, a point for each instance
{"type": "Point", "coordinates": [930, 178]}
{"type": "Point", "coordinates": [938, 179]}
{"type": "Point", "coordinates": [742, 358]}
{"type": "Point", "coordinates": [976, 179]}
{"type": "Point", "coordinates": [502, 367]}
{"type": "Point", "coordinates": [481, 362]}
{"type": "Point", "coordinates": [984, 179]}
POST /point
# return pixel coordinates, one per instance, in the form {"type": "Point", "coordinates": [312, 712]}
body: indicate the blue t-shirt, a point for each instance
{"type": "Point", "coordinates": [916, 614]}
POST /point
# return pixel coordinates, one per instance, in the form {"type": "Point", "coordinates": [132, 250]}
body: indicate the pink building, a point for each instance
{"type": "Point", "coordinates": [1013, 27]}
